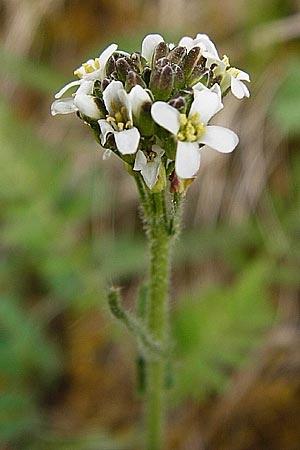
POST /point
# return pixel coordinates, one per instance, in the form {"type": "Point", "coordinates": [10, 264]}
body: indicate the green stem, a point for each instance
{"type": "Point", "coordinates": [157, 322]}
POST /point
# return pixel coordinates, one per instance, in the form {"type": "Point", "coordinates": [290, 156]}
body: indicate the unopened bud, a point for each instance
{"type": "Point", "coordinates": [194, 61]}
{"type": "Point", "coordinates": [105, 83]}
{"type": "Point", "coordinates": [146, 75]}
{"type": "Point", "coordinates": [161, 180]}
{"type": "Point", "coordinates": [162, 82]}
{"type": "Point", "coordinates": [133, 79]}
{"type": "Point", "coordinates": [111, 65]}
{"type": "Point", "coordinates": [179, 78]}
{"type": "Point", "coordinates": [139, 61]}
{"type": "Point", "coordinates": [145, 121]}
{"type": "Point", "coordinates": [161, 50]}
{"type": "Point", "coordinates": [182, 100]}
{"type": "Point", "coordinates": [178, 103]}
{"type": "Point", "coordinates": [177, 55]}
{"type": "Point", "coordinates": [123, 66]}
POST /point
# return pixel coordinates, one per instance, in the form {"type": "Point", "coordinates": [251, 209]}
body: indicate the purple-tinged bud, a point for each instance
{"type": "Point", "coordinates": [132, 79]}
{"type": "Point", "coordinates": [139, 61]}
{"type": "Point", "coordinates": [111, 65]}
{"type": "Point", "coordinates": [145, 121]}
{"type": "Point", "coordinates": [197, 75]}
{"type": "Point", "coordinates": [177, 55]}
{"type": "Point", "coordinates": [179, 78]}
{"type": "Point", "coordinates": [194, 60]}
{"type": "Point", "coordinates": [162, 82]}
{"type": "Point", "coordinates": [161, 50]}
{"type": "Point", "coordinates": [123, 66]}
{"type": "Point", "coordinates": [105, 83]}
{"type": "Point", "coordinates": [179, 103]}
{"type": "Point", "coordinates": [146, 75]}
{"type": "Point", "coordinates": [161, 62]}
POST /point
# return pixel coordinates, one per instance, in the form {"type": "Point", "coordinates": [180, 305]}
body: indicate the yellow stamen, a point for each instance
{"type": "Point", "coordinates": [191, 129]}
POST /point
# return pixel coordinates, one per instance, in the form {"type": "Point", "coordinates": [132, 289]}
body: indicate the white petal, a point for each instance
{"type": "Point", "coordinates": [86, 87]}
{"type": "Point", "coordinates": [186, 42]}
{"type": "Point", "coordinates": [158, 150]}
{"type": "Point", "coordinates": [238, 88]}
{"type": "Point", "coordinates": [206, 103]}
{"type": "Point", "coordinates": [166, 116]}
{"type": "Point", "coordinates": [137, 97]}
{"type": "Point", "coordinates": [243, 76]}
{"type": "Point", "coordinates": [63, 106]}
{"type": "Point", "coordinates": [150, 173]}
{"type": "Point", "coordinates": [111, 96]}
{"type": "Point", "coordinates": [66, 88]}
{"type": "Point", "coordinates": [104, 57]}
{"type": "Point", "coordinates": [125, 101]}
{"type": "Point", "coordinates": [215, 89]}
{"type": "Point", "coordinates": [127, 141]}
{"type": "Point", "coordinates": [86, 104]}
{"type": "Point", "coordinates": [140, 161]}
{"type": "Point", "coordinates": [187, 161]}
{"type": "Point", "coordinates": [105, 129]}
{"type": "Point", "coordinates": [219, 138]}
{"type": "Point", "coordinates": [206, 45]}
{"type": "Point", "coordinates": [148, 45]}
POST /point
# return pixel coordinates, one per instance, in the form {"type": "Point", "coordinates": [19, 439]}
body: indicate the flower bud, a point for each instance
{"type": "Point", "coordinates": [162, 82]}
{"type": "Point", "coordinates": [179, 78]}
{"type": "Point", "coordinates": [132, 79]}
{"type": "Point", "coordinates": [182, 100]}
{"type": "Point", "coordinates": [178, 184]}
{"type": "Point", "coordinates": [161, 50]}
{"type": "Point", "coordinates": [145, 121]}
{"type": "Point", "coordinates": [139, 61]}
{"type": "Point", "coordinates": [179, 103]}
{"type": "Point", "coordinates": [177, 55]}
{"type": "Point", "coordinates": [104, 84]}
{"type": "Point", "coordinates": [146, 75]}
{"type": "Point", "coordinates": [194, 64]}
{"type": "Point", "coordinates": [111, 65]}
{"type": "Point", "coordinates": [161, 180]}
{"type": "Point", "coordinates": [123, 66]}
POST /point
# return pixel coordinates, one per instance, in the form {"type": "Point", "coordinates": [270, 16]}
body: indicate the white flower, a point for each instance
{"type": "Point", "coordinates": [193, 130]}
{"type": "Point", "coordinates": [149, 165]}
{"type": "Point", "coordinates": [121, 107]}
{"type": "Point", "coordinates": [93, 69]}
{"type": "Point", "coordinates": [238, 88]}
{"type": "Point", "coordinates": [207, 47]}
{"type": "Point", "coordinates": [148, 45]}
{"type": "Point", "coordinates": [82, 101]}
{"type": "Point", "coordinates": [233, 78]}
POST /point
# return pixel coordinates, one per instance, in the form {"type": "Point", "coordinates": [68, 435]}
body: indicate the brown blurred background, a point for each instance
{"type": "Point", "coordinates": [70, 226]}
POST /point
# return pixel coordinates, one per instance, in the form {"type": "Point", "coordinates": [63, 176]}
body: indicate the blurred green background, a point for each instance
{"type": "Point", "coordinates": [70, 226]}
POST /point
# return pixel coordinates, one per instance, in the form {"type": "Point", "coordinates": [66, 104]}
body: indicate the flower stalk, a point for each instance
{"type": "Point", "coordinates": [152, 109]}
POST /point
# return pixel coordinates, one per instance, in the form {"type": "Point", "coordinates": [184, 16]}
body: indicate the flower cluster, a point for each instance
{"type": "Point", "coordinates": [152, 108]}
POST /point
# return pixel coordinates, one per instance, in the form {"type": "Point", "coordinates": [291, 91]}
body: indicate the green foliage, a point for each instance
{"type": "Point", "coordinates": [215, 330]}
{"type": "Point", "coordinates": [29, 73]}
{"type": "Point", "coordinates": [86, 441]}
{"type": "Point", "coordinates": [286, 105]}
{"type": "Point", "coordinates": [29, 362]}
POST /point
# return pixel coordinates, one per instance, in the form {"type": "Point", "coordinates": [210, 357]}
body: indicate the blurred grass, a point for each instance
{"type": "Point", "coordinates": [58, 251]}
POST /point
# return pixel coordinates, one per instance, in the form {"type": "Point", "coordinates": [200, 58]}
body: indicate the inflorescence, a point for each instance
{"type": "Point", "coordinates": [152, 108]}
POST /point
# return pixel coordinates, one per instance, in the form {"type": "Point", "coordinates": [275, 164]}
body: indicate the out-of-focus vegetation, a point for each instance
{"type": "Point", "coordinates": [70, 226]}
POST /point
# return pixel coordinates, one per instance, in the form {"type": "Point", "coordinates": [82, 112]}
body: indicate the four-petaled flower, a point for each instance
{"type": "Point", "coordinates": [115, 97]}
{"type": "Point", "coordinates": [148, 163]}
{"type": "Point", "coordinates": [193, 130]}
{"type": "Point", "coordinates": [93, 69]}
{"type": "Point", "coordinates": [120, 107]}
